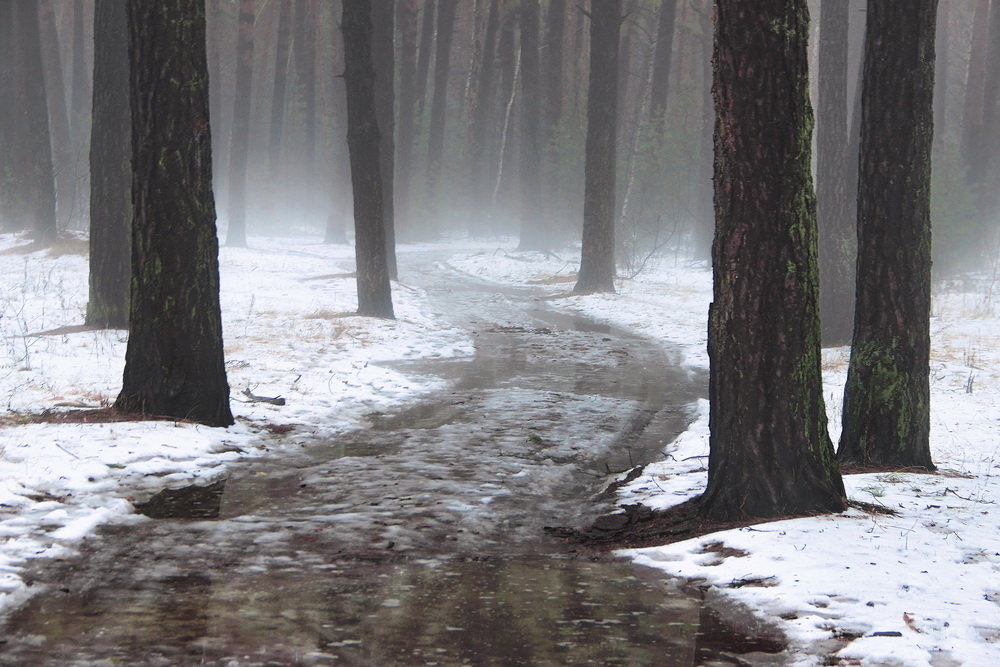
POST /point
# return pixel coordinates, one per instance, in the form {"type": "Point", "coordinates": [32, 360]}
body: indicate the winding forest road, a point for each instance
{"type": "Point", "coordinates": [418, 540]}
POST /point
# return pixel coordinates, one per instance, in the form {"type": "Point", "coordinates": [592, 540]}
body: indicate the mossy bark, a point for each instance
{"type": "Point", "coordinates": [597, 260]}
{"type": "Point", "coordinates": [110, 171]}
{"type": "Point", "coordinates": [887, 398]}
{"type": "Point", "coordinates": [174, 362]}
{"type": "Point", "coordinates": [363, 142]}
{"type": "Point", "coordinates": [771, 453]}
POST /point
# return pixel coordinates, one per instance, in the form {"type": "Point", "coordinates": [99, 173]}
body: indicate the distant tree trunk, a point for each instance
{"type": "Point", "coordinates": [174, 363]}
{"type": "Point", "coordinates": [110, 171]}
{"type": "Point", "coordinates": [305, 63]}
{"type": "Point", "coordinates": [704, 212]}
{"type": "Point", "coordinates": [770, 452]}
{"type": "Point", "coordinates": [534, 235]}
{"type": "Point", "coordinates": [424, 56]}
{"type": "Point", "coordinates": [407, 11]}
{"type": "Point", "coordinates": [9, 216]}
{"type": "Point", "coordinates": [552, 66]}
{"type": "Point", "coordinates": [887, 398]}
{"type": "Point", "coordinates": [239, 144]}
{"type": "Point", "coordinates": [384, 62]}
{"type": "Point", "coordinates": [508, 64]}
{"type": "Point", "coordinates": [837, 240]}
{"type": "Point", "coordinates": [989, 181]}
{"type": "Point", "coordinates": [975, 94]}
{"type": "Point", "coordinates": [662, 59]}
{"type": "Point", "coordinates": [36, 179]}
{"type": "Point", "coordinates": [941, 69]}
{"type": "Point", "coordinates": [482, 116]}
{"type": "Point", "coordinates": [278, 94]}
{"type": "Point", "coordinates": [439, 103]}
{"type": "Point", "coordinates": [374, 291]}
{"type": "Point", "coordinates": [597, 260]}
{"type": "Point", "coordinates": [80, 79]}
{"type": "Point", "coordinates": [62, 148]}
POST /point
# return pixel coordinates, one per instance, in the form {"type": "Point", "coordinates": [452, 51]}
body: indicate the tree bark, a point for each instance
{"type": "Point", "coordinates": [239, 144]}
{"type": "Point", "coordinates": [374, 291]}
{"type": "Point", "coordinates": [110, 171]}
{"type": "Point", "coordinates": [174, 363]}
{"type": "Point", "coordinates": [887, 398]}
{"type": "Point", "coordinates": [837, 237]}
{"type": "Point", "coordinates": [597, 259]}
{"type": "Point", "coordinates": [384, 62]}
{"type": "Point", "coordinates": [770, 452]}
{"type": "Point", "coordinates": [534, 236]}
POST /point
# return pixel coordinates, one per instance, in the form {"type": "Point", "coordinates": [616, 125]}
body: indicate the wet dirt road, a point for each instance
{"type": "Point", "coordinates": [418, 540]}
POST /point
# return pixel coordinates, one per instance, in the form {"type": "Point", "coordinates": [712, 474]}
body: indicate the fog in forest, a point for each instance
{"type": "Point", "coordinates": [490, 123]}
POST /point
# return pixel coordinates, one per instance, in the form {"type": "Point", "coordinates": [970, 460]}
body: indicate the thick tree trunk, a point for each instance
{"type": "Point", "coordinates": [110, 171]}
{"type": "Point", "coordinates": [374, 291]}
{"type": "Point", "coordinates": [407, 12]}
{"type": "Point", "coordinates": [887, 398]}
{"type": "Point", "coordinates": [662, 59]}
{"type": "Point", "coordinates": [770, 452]}
{"type": "Point", "coordinates": [597, 260]}
{"type": "Point", "coordinates": [239, 144]}
{"type": "Point", "coordinates": [384, 62]}
{"type": "Point", "coordinates": [174, 363]}
{"type": "Point", "coordinates": [837, 236]}
{"type": "Point", "coordinates": [534, 235]}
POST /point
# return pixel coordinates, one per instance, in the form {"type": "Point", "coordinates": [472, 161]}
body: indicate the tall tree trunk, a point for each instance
{"type": "Point", "coordinates": [704, 211]}
{"type": "Point", "coordinates": [988, 199]}
{"type": "Point", "coordinates": [110, 171]}
{"type": "Point", "coordinates": [55, 88]}
{"type": "Point", "coordinates": [975, 94]}
{"type": "Point", "coordinates": [407, 12]}
{"type": "Point", "coordinates": [887, 398]}
{"type": "Point", "coordinates": [278, 94]}
{"type": "Point", "coordinates": [439, 103]}
{"type": "Point", "coordinates": [662, 59]}
{"type": "Point", "coordinates": [81, 89]}
{"type": "Point", "coordinates": [426, 51]}
{"type": "Point", "coordinates": [9, 214]}
{"type": "Point", "coordinates": [534, 236]}
{"type": "Point", "coordinates": [837, 237]}
{"type": "Point", "coordinates": [770, 452]}
{"type": "Point", "coordinates": [552, 66]}
{"type": "Point", "coordinates": [305, 64]}
{"type": "Point", "coordinates": [479, 185]}
{"type": "Point", "coordinates": [174, 363]}
{"type": "Point", "coordinates": [374, 291]}
{"type": "Point", "coordinates": [36, 179]}
{"type": "Point", "coordinates": [597, 259]}
{"type": "Point", "coordinates": [239, 144]}
{"type": "Point", "coordinates": [384, 62]}
{"type": "Point", "coordinates": [941, 70]}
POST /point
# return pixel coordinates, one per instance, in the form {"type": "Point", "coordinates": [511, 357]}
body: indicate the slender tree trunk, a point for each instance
{"type": "Point", "coordinates": [887, 398]}
{"type": "Point", "coordinates": [174, 363]}
{"type": "Point", "coordinates": [534, 236]}
{"type": "Point", "coordinates": [975, 94]}
{"type": "Point", "coordinates": [941, 70]}
{"type": "Point", "coordinates": [662, 59]}
{"type": "Point", "coordinates": [9, 213]}
{"type": "Point", "coordinates": [374, 291]}
{"type": "Point", "coordinates": [552, 66]}
{"type": "Point", "coordinates": [62, 149]}
{"type": "Point", "coordinates": [239, 144]}
{"type": "Point", "coordinates": [36, 184]}
{"type": "Point", "coordinates": [482, 115]}
{"type": "Point", "coordinates": [80, 79]}
{"type": "Point", "coordinates": [305, 63]}
{"type": "Point", "coordinates": [110, 171]}
{"type": "Point", "coordinates": [597, 260]}
{"type": "Point", "coordinates": [988, 201]}
{"type": "Point", "coordinates": [384, 61]}
{"type": "Point", "coordinates": [407, 12]}
{"type": "Point", "coordinates": [439, 104]}
{"type": "Point", "coordinates": [278, 94]}
{"type": "Point", "coordinates": [704, 212]}
{"type": "Point", "coordinates": [426, 50]}
{"type": "Point", "coordinates": [770, 452]}
{"type": "Point", "coordinates": [837, 237]}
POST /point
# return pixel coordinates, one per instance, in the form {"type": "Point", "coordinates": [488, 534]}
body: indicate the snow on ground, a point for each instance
{"type": "Point", "coordinates": [289, 332]}
{"type": "Point", "coordinates": [919, 588]}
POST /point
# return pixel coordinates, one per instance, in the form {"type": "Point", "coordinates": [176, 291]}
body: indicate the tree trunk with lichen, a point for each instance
{"type": "Point", "coordinates": [770, 453]}
{"type": "Point", "coordinates": [887, 398]}
{"type": "Point", "coordinates": [174, 363]}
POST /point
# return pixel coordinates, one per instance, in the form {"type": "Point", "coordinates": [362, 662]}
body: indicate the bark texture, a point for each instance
{"type": "Point", "coordinates": [374, 295]}
{"type": "Point", "coordinates": [597, 260]}
{"type": "Point", "coordinates": [110, 171]}
{"type": "Point", "coordinates": [771, 453]}
{"type": "Point", "coordinates": [174, 362]}
{"type": "Point", "coordinates": [887, 398]}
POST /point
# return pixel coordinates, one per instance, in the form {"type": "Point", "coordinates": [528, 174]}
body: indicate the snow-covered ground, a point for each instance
{"type": "Point", "coordinates": [289, 332]}
{"type": "Point", "coordinates": [930, 574]}
{"type": "Point", "coordinates": [919, 588]}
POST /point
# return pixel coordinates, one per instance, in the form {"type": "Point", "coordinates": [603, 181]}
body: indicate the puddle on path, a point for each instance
{"type": "Point", "coordinates": [418, 540]}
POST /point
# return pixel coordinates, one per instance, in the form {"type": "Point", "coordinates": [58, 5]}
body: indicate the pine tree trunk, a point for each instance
{"type": "Point", "coordinates": [534, 235]}
{"type": "Point", "coordinates": [482, 115]}
{"type": "Point", "coordinates": [988, 200]}
{"type": "Point", "coordinates": [837, 237]}
{"type": "Point", "coordinates": [662, 59]}
{"type": "Point", "coordinates": [552, 66]}
{"type": "Point", "coordinates": [426, 51]}
{"type": "Point", "coordinates": [174, 363]}
{"type": "Point", "coordinates": [407, 12]}
{"type": "Point", "coordinates": [239, 144]}
{"type": "Point", "coordinates": [439, 103]}
{"type": "Point", "coordinates": [975, 94]}
{"type": "Point", "coordinates": [384, 62]}
{"type": "Point", "coordinates": [597, 260]}
{"type": "Point", "coordinates": [278, 94]}
{"type": "Point", "coordinates": [374, 295]}
{"type": "Point", "coordinates": [887, 398]}
{"type": "Point", "coordinates": [55, 88]}
{"type": "Point", "coordinates": [110, 171]}
{"type": "Point", "coordinates": [770, 453]}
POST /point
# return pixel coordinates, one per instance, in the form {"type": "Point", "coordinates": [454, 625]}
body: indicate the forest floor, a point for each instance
{"type": "Point", "coordinates": [916, 588]}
